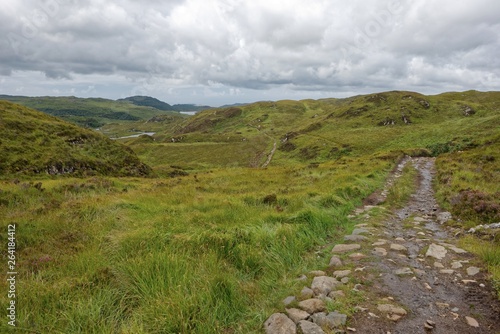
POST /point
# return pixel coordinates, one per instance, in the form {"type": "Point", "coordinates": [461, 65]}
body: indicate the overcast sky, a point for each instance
{"type": "Point", "coordinates": [226, 51]}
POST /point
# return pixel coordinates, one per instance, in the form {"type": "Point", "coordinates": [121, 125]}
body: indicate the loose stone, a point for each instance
{"type": "Point", "coordinates": [313, 305]}
{"type": "Point", "coordinates": [296, 315]}
{"type": "Point", "coordinates": [436, 251]}
{"type": "Point", "coordinates": [343, 248]}
{"type": "Point", "coordinates": [279, 323]}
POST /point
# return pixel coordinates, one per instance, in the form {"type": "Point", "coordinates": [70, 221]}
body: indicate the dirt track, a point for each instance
{"type": "Point", "coordinates": [437, 290]}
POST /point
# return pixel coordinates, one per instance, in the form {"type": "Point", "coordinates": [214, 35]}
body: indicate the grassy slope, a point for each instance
{"type": "Point", "coordinates": [35, 143]}
{"type": "Point", "coordinates": [91, 112]}
{"type": "Point", "coordinates": [204, 253]}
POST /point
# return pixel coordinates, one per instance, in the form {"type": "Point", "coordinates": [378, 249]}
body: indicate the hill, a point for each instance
{"type": "Point", "coordinates": [322, 130]}
{"type": "Point", "coordinates": [32, 142]}
{"type": "Point", "coordinates": [160, 105]}
{"type": "Point", "coordinates": [90, 112]}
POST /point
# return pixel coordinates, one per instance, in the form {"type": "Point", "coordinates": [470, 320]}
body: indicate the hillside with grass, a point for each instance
{"type": "Point", "coordinates": [213, 242]}
{"type": "Point", "coordinates": [32, 142]}
{"type": "Point", "coordinates": [95, 112]}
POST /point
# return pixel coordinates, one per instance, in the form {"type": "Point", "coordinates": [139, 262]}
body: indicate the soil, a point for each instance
{"type": "Point", "coordinates": [440, 291]}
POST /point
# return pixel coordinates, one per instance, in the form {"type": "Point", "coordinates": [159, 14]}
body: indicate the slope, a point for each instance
{"type": "Point", "coordinates": [35, 143]}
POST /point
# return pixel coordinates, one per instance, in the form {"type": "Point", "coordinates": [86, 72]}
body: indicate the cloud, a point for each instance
{"type": "Point", "coordinates": [319, 45]}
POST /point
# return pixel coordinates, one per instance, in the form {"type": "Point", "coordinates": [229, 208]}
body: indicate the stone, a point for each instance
{"type": "Point", "coordinates": [323, 285]}
{"type": "Point", "coordinates": [336, 294]}
{"type": "Point", "coordinates": [400, 239]}
{"type": "Point", "coordinates": [380, 251]}
{"type": "Point", "coordinates": [344, 280]}
{"type": "Point", "coordinates": [399, 248]}
{"type": "Point", "coordinates": [394, 317]}
{"type": "Point", "coordinates": [306, 293]}
{"type": "Point", "coordinates": [436, 251]}
{"type": "Point", "coordinates": [456, 265]}
{"type": "Point", "coordinates": [442, 305]}
{"type": "Point", "coordinates": [354, 238]}
{"type": "Point", "coordinates": [379, 243]}
{"type": "Point", "coordinates": [344, 248]}
{"type": "Point", "coordinates": [443, 217]}
{"type": "Point", "coordinates": [472, 322]}
{"type": "Point", "coordinates": [288, 300]}
{"type": "Point", "coordinates": [438, 265]}
{"type": "Point", "coordinates": [472, 271]}
{"type": "Point", "coordinates": [335, 261]}
{"type": "Point", "coordinates": [341, 273]}
{"type": "Point", "coordinates": [306, 327]}
{"type": "Point", "coordinates": [457, 250]}
{"type": "Point", "coordinates": [447, 271]}
{"type": "Point", "coordinates": [317, 273]}
{"type": "Point", "coordinates": [419, 219]}
{"type": "Point", "coordinates": [358, 231]}
{"type": "Point", "coordinates": [279, 323]}
{"type": "Point", "coordinates": [391, 309]}
{"type": "Point", "coordinates": [403, 271]}
{"type": "Point", "coordinates": [313, 305]}
{"type": "Point", "coordinates": [357, 256]}
{"type": "Point", "coordinates": [329, 321]}
{"type": "Point", "coordinates": [296, 315]}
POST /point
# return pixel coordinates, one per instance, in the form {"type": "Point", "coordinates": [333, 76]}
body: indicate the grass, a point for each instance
{"type": "Point", "coordinates": [211, 244]}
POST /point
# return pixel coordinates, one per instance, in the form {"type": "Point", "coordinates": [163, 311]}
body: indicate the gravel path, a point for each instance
{"type": "Point", "coordinates": [406, 273]}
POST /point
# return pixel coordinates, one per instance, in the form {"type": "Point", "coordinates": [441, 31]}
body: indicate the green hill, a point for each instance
{"type": "Point", "coordinates": [148, 101]}
{"type": "Point", "coordinates": [90, 112]}
{"type": "Point", "coordinates": [32, 142]}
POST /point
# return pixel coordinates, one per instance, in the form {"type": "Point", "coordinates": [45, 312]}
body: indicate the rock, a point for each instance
{"type": "Point", "coordinates": [313, 305]}
{"type": "Point", "coordinates": [457, 250]}
{"type": "Point", "coordinates": [323, 285]}
{"type": "Point", "coordinates": [358, 231]}
{"type": "Point", "coordinates": [442, 305]}
{"type": "Point", "coordinates": [472, 322]}
{"type": "Point", "coordinates": [447, 271]}
{"type": "Point", "coordinates": [379, 251]}
{"type": "Point", "coordinates": [335, 261]}
{"type": "Point", "coordinates": [341, 273]}
{"type": "Point", "coordinates": [336, 294]}
{"type": "Point", "coordinates": [288, 300]}
{"type": "Point", "coordinates": [302, 278]}
{"type": "Point", "coordinates": [438, 265]}
{"type": "Point", "coordinates": [443, 217]}
{"type": "Point", "coordinates": [394, 317]}
{"type": "Point", "coordinates": [343, 248]}
{"type": "Point", "coordinates": [306, 327]}
{"type": "Point", "coordinates": [306, 293]}
{"type": "Point", "coordinates": [317, 273]}
{"type": "Point", "coordinates": [419, 219]}
{"type": "Point", "coordinates": [403, 271]}
{"type": "Point", "coordinates": [456, 265]}
{"type": "Point", "coordinates": [391, 309]}
{"type": "Point", "coordinates": [279, 323]}
{"type": "Point", "coordinates": [379, 243]}
{"type": "Point", "coordinates": [296, 315]}
{"type": "Point", "coordinates": [354, 238]}
{"type": "Point", "coordinates": [436, 251]}
{"type": "Point", "coordinates": [357, 256]}
{"type": "Point", "coordinates": [344, 280]}
{"type": "Point", "coordinates": [472, 271]}
{"type": "Point", "coordinates": [400, 239]}
{"type": "Point", "coordinates": [399, 248]}
{"type": "Point", "coordinates": [329, 321]}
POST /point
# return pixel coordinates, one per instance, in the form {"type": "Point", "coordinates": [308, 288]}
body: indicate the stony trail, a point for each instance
{"type": "Point", "coordinates": [406, 272]}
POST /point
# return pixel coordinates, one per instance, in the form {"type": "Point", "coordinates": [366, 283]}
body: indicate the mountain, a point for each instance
{"type": "Point", "coordinates": [160, 105]}
{"type": "Point", "coordinates": [32, 142]}
{"type": "Point", "coordinates": [89, 112]}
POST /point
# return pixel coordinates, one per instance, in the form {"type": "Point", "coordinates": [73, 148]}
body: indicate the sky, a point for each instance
{"type": "Point", "coordinates": [215, 52]}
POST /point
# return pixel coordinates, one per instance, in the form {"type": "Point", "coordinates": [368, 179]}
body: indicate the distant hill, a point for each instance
{"type": "Point", "coordinates": [90, 112]}
{"type": "Point", "coordinates": [147, 101]}
{"type": "Point", "coordinates": [387, 123]}
{"type": "Point", "coordinates": [32, 142]}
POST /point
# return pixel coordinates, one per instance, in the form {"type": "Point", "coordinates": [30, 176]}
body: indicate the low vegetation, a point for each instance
{"type": "Point", "coordinates": [212, 242]}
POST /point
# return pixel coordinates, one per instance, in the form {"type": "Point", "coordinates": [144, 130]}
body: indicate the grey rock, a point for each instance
{"type": "Point", "coordinates": [358, 231]}
{"type": "Point", "coordinates": [403, 271]}
{"type": "Point", "coordinates": [335, 261]}
{"type": "Point", "coordinates": [436, 251]}
{"type": "Point", "coordinates": [456, 265]}
{"type": "Point", "coordinates": [336, 294]}
{"type": "Point", "coordinates": [341, 273]}
{"type": "Point", "coordinates": [391, 309]}
{"type": "Point", "coordinates": [447, 271]}
{"type": "Point", "coordinates": [472, 322]}
{"type": "Point", "coordinates": [443, 217]}
{"type": "Point", "coordinates": [313, 305]}
{"type": "Point", "coordinates": [399, 248]}
{"type": "Point", "coordinates": [379, 251]}
{"type": "Point", "coordinates": [317, 273]}
{"type": "Point", "coordinates": [357, 256]}
{"type": "Point", "coordinates": [288, 300]}
{"type": "Point", "coordinates": [344, 280]}
{"type": "Point", "coordinates": [472, 271]}
{"type": "Point", "coordinates": [296, 315]}
{"type": "Point", "coordinates": [279, 323]}
{"type": "Point", "coordinates": [354, 238]}
{"type": "Point", "coordinates": [329, 321]}
{"type": "Point", "coordinates": [306, 327]}
{"type": "Point", "coordinates": [306, 293]}
{"type": "Point", "coordinates": [343, 248]}
{"type": "Point", "coordinates": [323, 285]}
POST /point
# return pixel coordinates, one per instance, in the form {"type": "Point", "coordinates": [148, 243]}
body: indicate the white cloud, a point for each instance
{"type": "Point", "coordinates": [172, 49]}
